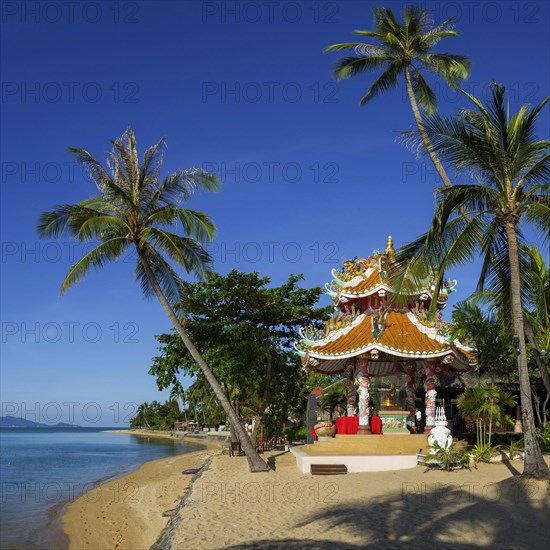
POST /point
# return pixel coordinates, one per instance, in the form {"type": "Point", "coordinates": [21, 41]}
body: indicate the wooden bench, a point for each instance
{"type": "Point", "coordinates": [328, 469]}
{"type": "Point", "coordinates": [235, 449]}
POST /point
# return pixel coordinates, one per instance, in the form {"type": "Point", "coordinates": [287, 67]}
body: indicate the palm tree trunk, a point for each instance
{"type": "Point", "coordinates": [427, 143]}
{"type": "Point", "coordinates": [255, 462]}
{"type": "Point", "coordinates": [534, 461]}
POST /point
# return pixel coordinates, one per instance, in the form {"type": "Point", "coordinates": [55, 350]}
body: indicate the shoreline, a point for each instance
{"type": "Point", "coordinates": [131, 510]}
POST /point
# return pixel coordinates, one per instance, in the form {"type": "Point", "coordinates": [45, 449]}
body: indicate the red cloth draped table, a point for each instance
{"type": "Point", "coordinates": [376, 425]}
{"type": "Point", "coordinates": [347, 424]}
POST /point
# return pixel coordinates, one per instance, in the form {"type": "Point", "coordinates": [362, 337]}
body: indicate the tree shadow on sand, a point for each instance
{"type": "Point", "coordinates": [510, 514]}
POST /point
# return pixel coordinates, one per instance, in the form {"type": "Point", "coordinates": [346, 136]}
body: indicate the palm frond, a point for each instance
{"type": "Point", "coordinates": [423, 92]}
{"type": "Point", "coordinates": [197, 225]}
{"type": "Point", "coordinates": [452, 67]}
{"type": "Point", "coordinates": [538, 214]}
{"type": "Point", "coordinates": [107, 251]}
{"type": "Point", "coordinates": [347, 67]}
{"type": "Point", "coordinates": [386, 81]}
{"type": "Point", "coordinates": [187, 252]}
{"type": "Point", "coordinates": [165, 275]}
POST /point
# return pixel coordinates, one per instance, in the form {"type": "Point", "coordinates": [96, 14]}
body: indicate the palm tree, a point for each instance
{"type": "Point", "coordinates": [133, 209]}
{"type": "Point", "coordinates": [535, 287]}
{"type": "Point", "coordinates": [405, 48]}
{"type": "Point", "coordinates": [513, 169]}
{"type": "Point", "coordinates": [485, 333]}
{"type": "Point", "coordinates": [537, 321]}
{"type": "Point", "coordinates": [177, 394]}
{"type": "Point", "coordinates": [485, 406]}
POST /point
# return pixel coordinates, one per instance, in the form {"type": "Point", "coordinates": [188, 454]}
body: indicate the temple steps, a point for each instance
{"type": "Point", "coordinates": [328, 469]}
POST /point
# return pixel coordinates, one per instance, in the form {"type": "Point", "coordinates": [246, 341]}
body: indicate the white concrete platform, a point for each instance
{"type": "Point", "coordinates": [355, 463]}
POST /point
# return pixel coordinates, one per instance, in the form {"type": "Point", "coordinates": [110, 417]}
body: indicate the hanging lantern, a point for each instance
{"type": "Point", "coordinates": [374, 354]}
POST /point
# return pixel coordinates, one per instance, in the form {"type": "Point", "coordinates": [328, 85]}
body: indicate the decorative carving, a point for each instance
{"type": "Point", "coordinates": [440, 434]}
{"type": "Point", "coordinates": [350, 390]}
{"type": "Point", "coordinates": [363, 394]}
{"type": "Point", "coordinates": [378, 321]}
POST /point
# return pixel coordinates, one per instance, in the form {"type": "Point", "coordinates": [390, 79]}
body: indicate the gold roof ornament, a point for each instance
{"type": "Point", "coordinates": [390, 251]}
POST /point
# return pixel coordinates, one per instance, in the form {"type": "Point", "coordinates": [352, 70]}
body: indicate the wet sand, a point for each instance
{"type": "Point", "coordinates": [130, 512]}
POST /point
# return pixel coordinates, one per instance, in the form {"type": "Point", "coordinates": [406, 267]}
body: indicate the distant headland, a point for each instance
{"type": "Point", "coordinates": [15, 422]}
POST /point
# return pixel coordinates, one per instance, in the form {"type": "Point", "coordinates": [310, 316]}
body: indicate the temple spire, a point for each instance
{"type": "Point", "coordinates": [390, 251]}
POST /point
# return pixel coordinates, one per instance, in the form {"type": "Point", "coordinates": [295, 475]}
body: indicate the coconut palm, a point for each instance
{"type": "Point", "coordinates": [137, 209]}
{"type": "Point", "coordinates": [485, 333]}
{"type": "Point", "coordinates": [535, 286]}
{"type": "Point", "coordinates": [177, 394]}
{"type": "Point", "coordinates": [512, 169]}
{"type": "Point", "coordinates": [405, 48]}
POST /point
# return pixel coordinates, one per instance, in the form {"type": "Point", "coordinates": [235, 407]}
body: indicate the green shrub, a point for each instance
{"type": "Point", "coordinates": [544, 437]}
{"type": "Point", "coordinates": [448, 458]}
{"type": "Point", "coordinates": [295, 433]}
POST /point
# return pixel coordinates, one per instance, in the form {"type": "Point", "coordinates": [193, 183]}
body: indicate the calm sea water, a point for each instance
{"type": "Point", "coordinates": [43, 469]}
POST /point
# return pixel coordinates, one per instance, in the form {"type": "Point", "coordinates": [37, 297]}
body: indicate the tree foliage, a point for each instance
{"type": "Point", "coordinates": [245, 330]}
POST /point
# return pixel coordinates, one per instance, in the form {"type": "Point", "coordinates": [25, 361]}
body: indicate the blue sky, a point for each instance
{"type": "Point", "coordinates": [241, 88]}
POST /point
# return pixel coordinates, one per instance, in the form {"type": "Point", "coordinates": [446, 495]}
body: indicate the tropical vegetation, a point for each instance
{"type": "Point", "coordinates": [512, 169]}
{"type": "Point", "coordinates": [245, 329]}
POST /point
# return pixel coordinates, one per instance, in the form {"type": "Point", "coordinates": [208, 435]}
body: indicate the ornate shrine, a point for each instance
{"type": "Point", "coordinates": [387, 353]}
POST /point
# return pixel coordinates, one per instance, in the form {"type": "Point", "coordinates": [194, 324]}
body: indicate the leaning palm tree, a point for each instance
{"type": "Point", "coordinates": [512, 169]}
{"type": "Point", "coordinates": [405, 48]}
{"type": "Point", "coordinates": [137, 209]}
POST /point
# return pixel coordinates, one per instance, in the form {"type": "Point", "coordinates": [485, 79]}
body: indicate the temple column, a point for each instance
{"type": "Point", "coordinates": [363, 397]}
{"type": "Point", "coordinates": [350, 390]}
{"type": "Point", "coordinates": [410, 389]}
{"type": "Point", "coordinates": [431, 394]}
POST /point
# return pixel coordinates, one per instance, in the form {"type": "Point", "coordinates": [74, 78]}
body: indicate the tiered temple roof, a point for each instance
{"type": "Point", "coordinates": [367, 325]}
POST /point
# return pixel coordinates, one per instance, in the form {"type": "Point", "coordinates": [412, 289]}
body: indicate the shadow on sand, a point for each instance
{"type": "Point", "coordinates": [511, 514]}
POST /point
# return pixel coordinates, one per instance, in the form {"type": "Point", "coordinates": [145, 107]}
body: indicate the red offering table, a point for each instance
{"type": "Point", "coordinates": [347, 424]}
{"type": "Point", "coordinates": [376, 425]}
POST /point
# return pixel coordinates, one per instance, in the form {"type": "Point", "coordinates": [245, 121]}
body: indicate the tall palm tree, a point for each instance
{"type": "Point", "coordinates": [405, 48]}
{"type": "Point", "coordinates": [133, 209]}
{"type": "Point", "coordinates": [513, 170]}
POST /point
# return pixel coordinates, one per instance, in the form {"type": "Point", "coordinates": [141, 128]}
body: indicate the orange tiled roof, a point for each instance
{"type": "Point", "coordinates": [400, 336]}
{"type": "Point", "coordinates": [363, 287]}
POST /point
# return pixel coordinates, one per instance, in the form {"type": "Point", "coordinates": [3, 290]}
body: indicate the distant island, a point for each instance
{"type": "Point", "coordinates": [15, 422]}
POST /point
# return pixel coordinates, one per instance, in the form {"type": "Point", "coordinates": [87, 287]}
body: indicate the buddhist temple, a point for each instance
{"type": "Point", "coordinates": [390, 355]}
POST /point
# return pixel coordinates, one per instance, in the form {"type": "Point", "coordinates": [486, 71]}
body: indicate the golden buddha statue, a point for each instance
{"type": "Point", "coordinates": [389, 400]}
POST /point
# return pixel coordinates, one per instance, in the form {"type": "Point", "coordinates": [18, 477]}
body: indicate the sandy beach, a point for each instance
{"type": "Point", "coordinates": [131, 511]}
{"type": "Point", "coordinates": [229, 507]}
{"type": "Point", "coordinates": [485, 508]}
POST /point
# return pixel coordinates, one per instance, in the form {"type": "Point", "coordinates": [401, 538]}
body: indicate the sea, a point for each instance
{"type": "Point", "coordinates": [44, 469]}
